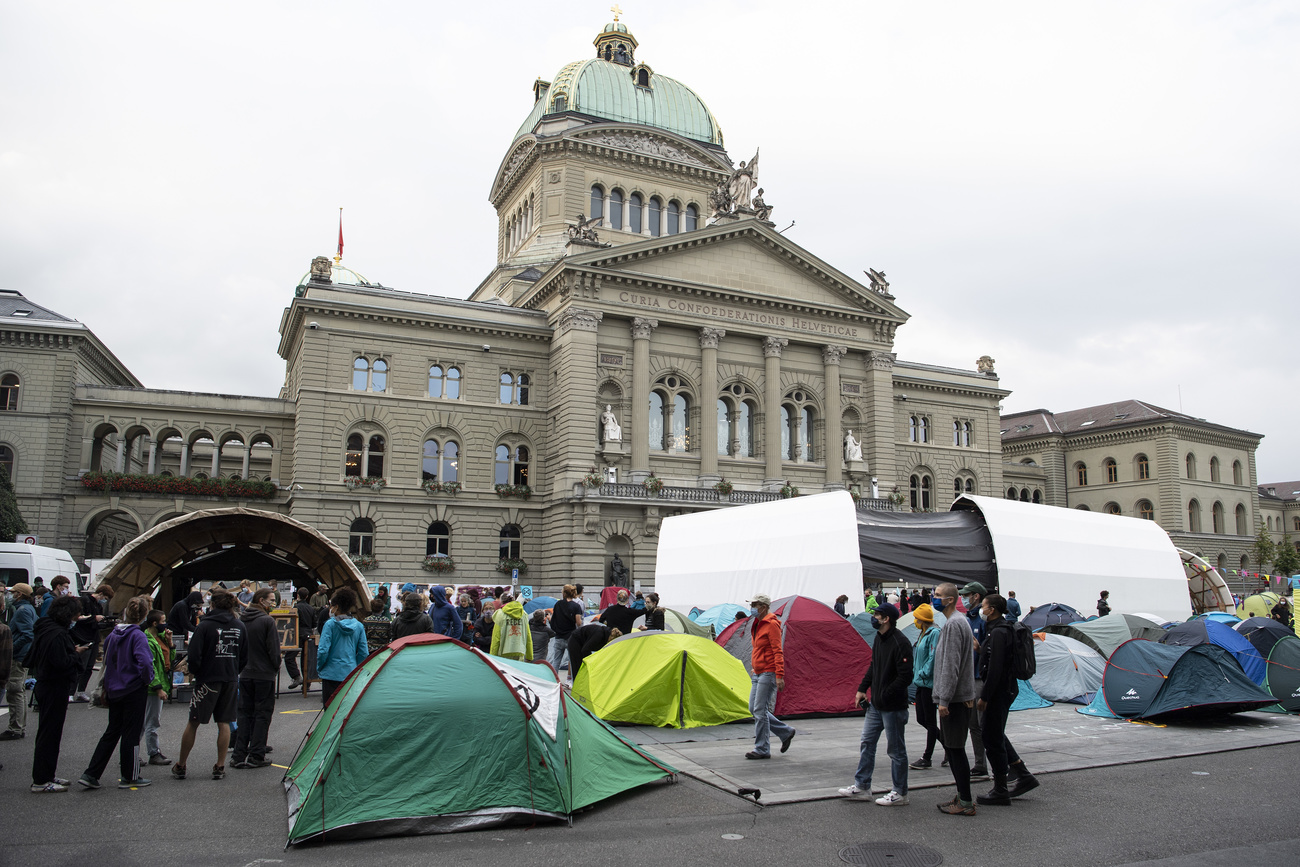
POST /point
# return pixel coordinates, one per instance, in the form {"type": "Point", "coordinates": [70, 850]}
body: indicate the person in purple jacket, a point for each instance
{"type": "Point", "coordinates": [128, 670]}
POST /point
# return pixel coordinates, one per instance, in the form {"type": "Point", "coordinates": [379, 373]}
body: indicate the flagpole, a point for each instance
{"type": "Point", "coordinates": [339, 257]}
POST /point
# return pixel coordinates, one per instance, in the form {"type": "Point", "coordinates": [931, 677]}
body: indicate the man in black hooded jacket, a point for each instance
{"type": "Point", "coordinates": [257, 681]}
{"type": "Point", "coordinates": [998, 692]}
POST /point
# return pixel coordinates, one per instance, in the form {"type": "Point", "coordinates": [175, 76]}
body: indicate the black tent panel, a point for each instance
{"type": "Point", "coordinates": [926, 548]}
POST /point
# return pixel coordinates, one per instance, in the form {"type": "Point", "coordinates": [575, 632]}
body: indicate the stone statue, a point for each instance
{"type": "Point", "coordinates": [584, 231]}
{"type": "Point", "coordinates": [762, 209]}
{"type": "Point", "coordinates": [321, 269]}
{"type": "Point", "coordinates": [852, 448]}
{"type": "Point", "coordinates": [984, 364]}
{"type": "Point", "coordinates": [742, 182]}
{"type": "Point", "coordinates": [720, 200]}
{"type": "Point", "coordinates": [613, 432]}
{"type": "Point", "coordinates": [878, 281]}
{"type": "Point", "coordinates": [618, 573]}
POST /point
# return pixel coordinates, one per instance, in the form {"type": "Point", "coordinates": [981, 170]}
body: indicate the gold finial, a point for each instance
{"type": "Point", "coordinates": [616, 10]}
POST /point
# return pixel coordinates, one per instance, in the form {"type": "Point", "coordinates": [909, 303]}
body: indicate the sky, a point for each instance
{"type": "Point", "coordinates": [1102, 196]}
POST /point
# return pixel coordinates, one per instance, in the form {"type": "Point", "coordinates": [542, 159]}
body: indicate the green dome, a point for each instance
{"type": "Point", "coordinates": [607, 90]}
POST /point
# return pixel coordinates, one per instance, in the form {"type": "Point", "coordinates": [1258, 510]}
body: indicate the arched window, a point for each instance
{"type": "Point", "coordinates": [597, 202]}
{"type": "Point", "coordinates": [643, 78]}
{"type": "Point", "coordinates": [736, 411]}
{"type": "Point", "coordinates": [444, 382]}
{"type": "Point", "coordinates": [440, 460]}
{"type": "Point", "coordinates": [1193, 517]}
{"type": "Point", "coordinates": [352, 459]}
{"type": "Point", "coordinates": [656, 209]}
{"type": "Point", "coordinates": [1242, 530]}
{"type": "Point", "coordinates": [361, 537]}
{"type": "Point", "coordinates": [1038, 496]}
{"type": "Point", "coordinates": [670, 415]}
{"type": "Point", "coordinates": [616, 209]}
{"type": "Point", "coordinates": [1245, 562]}
{"type": "Point", "coordinates": [920, 488]}
{"type": "Point", "coordinates": [9, 386]}
{"type": "Point", "coordinates": [510, 545]}
{"type": "Point", "coordinates": [7, 460]}
{"type": "Point", "coordinates": [360, 374]}
{"type": "Point", "coordinates": [1011, 493]}
{"type": "Point", "coordinates": [923, 429]}
{"type": "Point", "coordinates": [362, 454]}
{"type": "Point", "coordinates": [956, 433]}
{"type": "Point", "coordinates": [1081, 473]}
{"type": "Point", "coordinates": [963, 484]}
{"type": "Point", "coordinates": [1191, 465]}
{"type": "Point", "coordinates": [511, 465]}
{"type": "Point", "coordinates": [690, 218]}
{"type": "Point", "coordinates": [1236, 474]}
{"type": "Point", "coordinates": [1216, 516]}
{"type": "Point", "coordinates": [368, 375]}
{"type": "Point", "coordinates": [967, 433]}
{"type": "Point", "coordinates": [1024, 495]}
{"type": "Point", "coordinates": [1214, 468]}
{"type": "Point", "coordinates": [1296, 523]}
{"type": "Point", "coordinates": [437, 541]}
{"type": "Point", "coordinates": [797, 426]}
{"type": "Point", "coordinates": [634, 213]}
{"type": "Point", "coordinates": [1112, 509]}
{"type": "Point", "coordinates": [674, 218]}
{"type": "Point", "coordinates": [379, 375]}
{"type": "Point", "coordinates": [1143, 468]}
{"type": "Point", "coordinates": [1223, 562]}
{"type": "Point", "coordinates": [912, 432]}
{"type": "Point", "coordinates": [375, 456]}
{"type": "Point", "coordinates": [1145, 510]}
{"type": "Point", "coordinates": [1082, 508]}
{"type": "Point", "coordinates": [514, 388]}
{"type": "Point", "coordinates": [1112, 471]}
{"type": "Point", "coordinates": [656, 432]}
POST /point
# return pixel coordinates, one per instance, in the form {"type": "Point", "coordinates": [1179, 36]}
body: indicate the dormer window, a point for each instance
{"type": "Point", "coordinates": [642, 78]}
{"type": "Point", "coordinates": [561, 102]}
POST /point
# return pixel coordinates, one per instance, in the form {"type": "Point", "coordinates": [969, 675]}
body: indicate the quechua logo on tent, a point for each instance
{"type": "Point", "coordinates": [1130, 695]}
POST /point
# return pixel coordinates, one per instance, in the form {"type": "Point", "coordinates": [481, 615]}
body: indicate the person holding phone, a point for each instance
{"type": "Point", "coordinates": [55, 662]}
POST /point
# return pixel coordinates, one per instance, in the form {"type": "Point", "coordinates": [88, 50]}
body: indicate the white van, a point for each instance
{"type": "Point", "coordinates": [23, 564]}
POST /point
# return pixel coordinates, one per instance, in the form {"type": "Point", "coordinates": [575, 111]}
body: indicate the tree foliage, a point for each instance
{"type": "Point", "coordinates": [1264, 550]}
{"type": "Point", "coordinates": [1286, 560]}
{"type": "Point", "coordinates": [11, 519]}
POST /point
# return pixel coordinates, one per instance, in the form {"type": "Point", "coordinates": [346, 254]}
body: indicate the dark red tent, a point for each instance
{"type": "Point", "coordinates": [825, 657]}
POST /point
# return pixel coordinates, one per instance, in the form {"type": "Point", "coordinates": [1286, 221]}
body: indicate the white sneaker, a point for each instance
{"type": "Point", "coordinates": [853, 791]}
{"type": "Point", "coordinates": [893, 799]}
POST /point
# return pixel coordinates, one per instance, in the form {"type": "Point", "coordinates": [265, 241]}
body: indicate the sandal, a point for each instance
{"type": "Point", "coordinates": [218, 772]}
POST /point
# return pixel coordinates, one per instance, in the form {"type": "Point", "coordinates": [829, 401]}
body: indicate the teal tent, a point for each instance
{"type": "Point", "coordinates": [401, 748]}
{"type": "Point", "coordinates": [1028, 699]}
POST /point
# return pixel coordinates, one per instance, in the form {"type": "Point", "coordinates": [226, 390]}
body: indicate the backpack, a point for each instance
{"type": "Point", "coordinates": [1023, 663]}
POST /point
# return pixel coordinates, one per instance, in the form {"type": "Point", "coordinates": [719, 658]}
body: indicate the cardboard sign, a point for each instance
{"type": "Point", "coordinates": [286, 623]}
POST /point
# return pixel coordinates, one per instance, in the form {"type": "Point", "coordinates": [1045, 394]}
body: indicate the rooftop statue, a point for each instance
{"type": "Point", "coordinates": [742, 183]}
{"type": "Point", "coordinates": [762, 210]}
{"type": "Point", "coordinates": [584, 231]}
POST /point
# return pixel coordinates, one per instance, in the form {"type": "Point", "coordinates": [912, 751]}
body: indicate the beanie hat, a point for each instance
{"type": "Point", "coordinates": [923, 613]}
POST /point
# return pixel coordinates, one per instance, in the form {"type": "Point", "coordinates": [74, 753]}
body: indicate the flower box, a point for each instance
{"type": "Point", "coordinates": [432, 487]}
{"type": "Point", "coordinates": [127, 483]}
{"type": "Point", "coordinates": [653, 485]}
{"type": "Point", "coordinates": [593, 479]}
{"type": "Point", "coordinates": [723, 487]}
{"type": "Point", "coordinates": [364, 562]}
{"type": "Point", "coordinates": [367, 482]}
{"type": "Point", "coordinates": [505, 567]}
{"type": "Point", "coordinates": [789, 491]}
{"type": "Point", "coordinates": [523, 492]}
{"type": "Point", "coordinates": [439, 563]}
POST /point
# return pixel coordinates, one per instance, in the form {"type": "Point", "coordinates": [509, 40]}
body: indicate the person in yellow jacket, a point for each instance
{"type": "Point", "coordinates": [511, 637]}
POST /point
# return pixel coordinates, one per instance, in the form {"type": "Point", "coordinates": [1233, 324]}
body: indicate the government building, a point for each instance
{"type": "Point", "coordinates": [646, 344]}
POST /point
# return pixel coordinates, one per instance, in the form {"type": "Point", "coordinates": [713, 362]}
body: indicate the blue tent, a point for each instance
{"type": "Point", "coordinates": [1051, 614]}
{"type": "Point", "coordinates": [1147, 680]}
{"type": "Point", "coordinates": [1028, 699]}
{"type": "Point", "coordinates": [720, 616]}
{"type": "Point", "coordinates": [1219, 617]}
{"type": "Point", "coordinates": [1195, 632]}
{"type": "Point", "coordinates": [539, 602]}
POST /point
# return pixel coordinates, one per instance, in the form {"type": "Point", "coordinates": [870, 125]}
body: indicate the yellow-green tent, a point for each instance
{"type": "Point", "coordinates": [1259, 605]}
{"type": "Point", "coordinates": [664, 679]}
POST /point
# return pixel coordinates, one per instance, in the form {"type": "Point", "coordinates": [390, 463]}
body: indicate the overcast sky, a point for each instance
{"type": "Point", "coordinates": [1103, 196]}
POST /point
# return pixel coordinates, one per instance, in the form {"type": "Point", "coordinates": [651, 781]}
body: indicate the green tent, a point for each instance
{"type": "Point", "coordinates": [664, 679]}
{"type": "Point", "coordinates": [675, 621]}
{"type": "Point", "coordinates": [401, 748]}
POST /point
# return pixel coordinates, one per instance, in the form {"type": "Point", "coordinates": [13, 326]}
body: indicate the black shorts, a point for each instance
{"type": "Point", "coordinates": [213, 701]}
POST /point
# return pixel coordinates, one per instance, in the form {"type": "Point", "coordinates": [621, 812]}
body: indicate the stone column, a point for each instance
{"type": "Point", "coordinates": [639, 431]}
{"type": "Point", "coordinates": [119, 463]}
{"type": "Point", "coordinates": [831, 356]}
{"type": "Point", "coordinates": [247, 453]}
{"type": "Point", "coordinates": [879, 436]}
{"type": "Point", "coordinates": [627, 213]}
{"type": "Point", "coordinates": [153, 457]}
{"type": "Point", "coordinates": [185, 459]}
{"type": "Point", "coordinates": [645, 217]}
{"type": "Point", "coordinates": [709, 338]}
{"type": "Point", "coordinates": [216, 460]}
{"type": "Point", "coordinates": [772, 347]}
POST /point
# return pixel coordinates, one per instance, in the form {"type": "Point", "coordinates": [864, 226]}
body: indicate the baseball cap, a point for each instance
{"type": "Point", "coordinates": [887, 610]}
{"type": "Point", "coordinates": [761, 599]}
{"type": "Point", "coordinates": [973, 587]}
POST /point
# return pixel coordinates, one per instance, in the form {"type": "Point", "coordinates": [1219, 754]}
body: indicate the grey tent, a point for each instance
{"type": "Point", "coordinates": [1068, 670]}
{"type": "Point", "coordinates": [1104, 634]}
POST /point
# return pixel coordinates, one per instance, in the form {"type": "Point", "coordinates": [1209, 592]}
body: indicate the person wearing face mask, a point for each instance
{"type": "Point", "coordinates": [997, 667]}
{"type": "Point", "coordinates": [888, 674]}
{"type": "Point", "coordinates": [954, 696]}
{"type": "Point", "coordinates": [971, 596]}
{"type": "Point", "coordinates": [923, 677]}
{"type": "Point", "coordinates": [60, 586]}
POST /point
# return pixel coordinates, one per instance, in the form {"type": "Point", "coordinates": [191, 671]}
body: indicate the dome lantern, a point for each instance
{"type": "Point", "coordinates": [615, 42]}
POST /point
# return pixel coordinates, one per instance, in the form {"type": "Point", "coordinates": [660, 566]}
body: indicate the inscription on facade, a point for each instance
{"type": "Point", "coordinates": [714, 311]}
{"type": "Point", "coordinates": [853, 388]}
{"type": "Point", "coordinates": [611, 360]}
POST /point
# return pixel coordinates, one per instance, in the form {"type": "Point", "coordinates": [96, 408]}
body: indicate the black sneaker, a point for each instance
{"type": "Point", "coordinates": [241, 765]}
{"type": "Point", "coordinates": [88, 781]}
{"type": "Point", "coordinates": [218, 772]}
{"type": "Point", "coordinates": [178, 771]}
{"type": "Point", "coordinates": [920, 765]}
{"type": "Point", "coordinates": [257, 763]}
{"type": "Point", "coordinates": [137, 783]}
{"type": "Point", "coordinates": [12, 735]}
{"type": "Point", "coordinates": [756, 755]}
{"type": "Point", "coordinates": [785, 743]}
{"type": "Point", "coordinates": [979, 772]}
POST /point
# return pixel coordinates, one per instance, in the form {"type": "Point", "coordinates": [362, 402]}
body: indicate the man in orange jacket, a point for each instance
{"type": "Point", "coordinates": [768, 679]}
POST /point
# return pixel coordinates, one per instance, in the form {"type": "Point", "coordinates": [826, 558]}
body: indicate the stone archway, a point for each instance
{"type": "Point", "coordinates": [148, 560]}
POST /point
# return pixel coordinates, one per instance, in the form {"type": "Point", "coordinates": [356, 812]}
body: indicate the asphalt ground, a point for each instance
{"type": "Point", "coordinates": [1234, 807]}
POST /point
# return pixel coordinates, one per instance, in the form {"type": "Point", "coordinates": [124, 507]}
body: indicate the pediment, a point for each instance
{"type": "Point", "coordinates": [745, 258]}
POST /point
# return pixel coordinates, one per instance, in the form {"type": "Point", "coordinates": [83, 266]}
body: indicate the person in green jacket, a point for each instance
{"type": "Point", "coordinates": [511, 636]}
{"type": "Point", "coordinates": [160, 645]}
{"type": "Point", "coordinates": [923, 677]}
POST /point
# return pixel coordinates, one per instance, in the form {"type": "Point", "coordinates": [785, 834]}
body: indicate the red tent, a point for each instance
{"type": "Point", "coordinates": [825, 657]}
